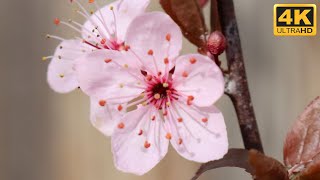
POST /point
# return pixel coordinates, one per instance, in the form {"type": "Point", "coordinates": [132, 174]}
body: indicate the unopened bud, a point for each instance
{"type": "Point", "coordinates": [216, 43]}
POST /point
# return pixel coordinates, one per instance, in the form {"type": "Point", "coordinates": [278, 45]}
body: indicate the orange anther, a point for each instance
{"type": "Point", "coordinates": [102, 103]}
{"type": "Point", "coordinates": [150, 52]}
{"type": "Point", "coordinates": [166, 61]}
{"type": "Point", "coordinates": [56, 21]}
{"type": "Point", "coordinates": [103, 41]}
{"type": "Point", "coordinates": [190, 98]}
{"type": "Point", "coordinates": [91, 1]}
{"type": "Point", "coordinates": [120, 107]}
{"type": "Point", "coordinates": [157, 96]}
{"type": "Point", "coordinates": [180, 119]}
{"type": "Point", "coordinates": [189, 102]}
{"type": "Point", "coordinates": [140, 132]}
{"type": "Point", "coordinates": [107, 60]}
{"type": "Point", "coordinates": [147, 144]}
{"type": "Point", "coordinates": [193, 60]}
{"type": "Point", "coordinates": [204, 120]}
{"type": "Point", "coordinates": [185, 74]}
{"type": "Point", "coordinates": [126, 47]}
{"type": "Point", "coordinates": [149, 78]}
{"type": "Point", "coordinates": [168, 37]}
{"type": "Point", "coordinates": [168, 136]}
{"type": "Point", "coordinates": [180, 141]}
{"type": "Point", "coordinates": [121, 125]}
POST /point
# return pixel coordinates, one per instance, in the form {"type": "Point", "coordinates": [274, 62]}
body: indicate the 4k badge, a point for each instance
{"type": "Point", "coordinates": [295, 20]}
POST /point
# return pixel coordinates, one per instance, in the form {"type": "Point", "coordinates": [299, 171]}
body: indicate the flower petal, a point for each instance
{"type": "Point", "coordinates": [202, 133]}
{"type": "Point", "coordinates": [108, 75]}
{"type": "Point", "coordinates": [141, 143]}
{"type": "Point", "coordinates": [198, 76]}
{"type": "Point", "coordinates": [124, 10]}
{"type": "Point", "coordinates": [104, 116]}
{"type": "Point", "coordinates": [154, 35]}
{"type": "Point", "coordinates": [61, 75]}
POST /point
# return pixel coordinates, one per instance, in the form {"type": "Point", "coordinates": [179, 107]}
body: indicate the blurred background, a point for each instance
{"type": "Point", "coordinates": [48, 136]}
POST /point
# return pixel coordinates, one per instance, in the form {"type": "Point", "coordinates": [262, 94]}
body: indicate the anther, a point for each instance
{"type": "Point", "coordinates": [107, 60]}
{"type": "Point", "coordinates": [165, 113]}
{"type": "Point", "coordinates": [168, 104]}
{"type": "Point", "coordinates": [111, 8]}
{"type": "Point", "coordinates": [185, 74]}
{"type": "Point", "coordinates": [189, 102]}
{"type": "Point", "coordinates": [150, 52]}
{"type": "Point", "coordinates": [44, 58]}
{"type": "Point", "coordinates": [91, 1]}
{"type": "Point", "coordinates": [121, 85]}
{"type": "Point", "coordinates": [140, 132]}
{"type": "Point", "coordinates": [168, 37]}
{"type": "Point", "coordinates": [193, 60]}
{"type": "Point", "coordinates": [190, 98]}
{"type": "Point", "coordinates": [149, 77]}
{"type": "Point", "coordinates": [103, 41]}
{"type": "Point", "coordinates": [56, 21]}
{"type": "Point", "coordinates": [61, 75]}
{"type": "Point", "coordinates": [126, 66]}
{"type": "Point", "coordinates": [180, 141]}
{"type": "Point", "coordinates": [204, 120]}
{"type": "Point", "coordinates": [153, 118]}
{"type": "Point", "coordinates": [165, 85]}
{"type": "Point", "coordinates": [102, 103]}
{"type": "Point", "coordinates": [147, 144]}
{"type": "Point", "coordinates": [121, 125]}
{"type": "Point", "coordinates": [180, 120]}
{"type": "Point", "coordinates": [120, 108]}
{"type": "Point", "coordinates": [166, 61]}
{"type": "Point", "coordinates": [159, 73]}
{"type": "Point", "coordinates": [168, 136]}
{"type": "Point", "coordinates": [157, 96]}
{"type": "Point", "coordinates": [126, 47]}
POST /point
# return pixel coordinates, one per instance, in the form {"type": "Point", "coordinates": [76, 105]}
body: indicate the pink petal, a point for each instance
{"type": "Point", "coordinates": [125, 11]}
{"type": "Point", "coordinates": [104, 117]}
{"type": "Point", "coordinates": [198, 76]}
{"type": "Point", "coordinates": [155, 32]}
{"type": "Point", "coordinates": [61, 75]}
{"type": "Point", "coordinates": [203, 133]}
{"type": "Point", "coordinates": [131, 154]}
{"type": "Point", "coordinates": [112, 81]}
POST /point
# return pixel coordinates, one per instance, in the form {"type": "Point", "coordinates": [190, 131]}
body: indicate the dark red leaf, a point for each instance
{"type": "Point", "coordinates": [301, 149]}
{"type": "Point", "coordinates": [188, 15]}
{"type": "Point", "coordinates": [266, 168]}
{"type": "Point", "coordinates": [234, 158]}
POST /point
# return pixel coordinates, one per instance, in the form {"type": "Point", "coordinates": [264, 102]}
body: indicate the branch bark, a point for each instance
{"type": "Point", "coordinates": [237, 85]}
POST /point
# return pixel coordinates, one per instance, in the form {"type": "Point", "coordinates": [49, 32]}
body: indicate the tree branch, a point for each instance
{"type": "Point", "coordinates": [237, 85]}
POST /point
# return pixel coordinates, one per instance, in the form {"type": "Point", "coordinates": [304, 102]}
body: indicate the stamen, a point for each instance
{"type": "Point", "coordinates": [140, 132]}
{"type": "Point", "coordinates": [147, 144]}
{"type": "Point", "coordinates": [121, 125]}
{"type": "Point", "coordinates": [120, 107]}
{"type": "Point", "coordinates": [153, 118]}
{"type": "Point", "coordinates": [55, 37]}
{"type": "Point", "coordinates": [108, 60]}
{"type": "Point", "coordinates": [56, 21]}
{"type": "Point", "coordinates": [61, 75]}
{"type": "Point", "coordinates": [180, 120]}
{"type": "Point", "coordinates": [168, 136]}
{"type": "Point", "coordinates": [185, 74]}
{"type": "Point", "coordinates": [102, 103]}
{"type": "Point", "coordinates": [180, 141]}
{"type": "Point", "coordinates": [193, 60]}
{"type": "Point", "coordinates": [166, 61]}
{"type": "Point", "coordinates": [157, 96]}
{"type": "Point", "coordinates": [115, 21]}
{"type": "Point", "coordinates": [168, 37]}
{"type": "Point", "coordinates": [204, 120]}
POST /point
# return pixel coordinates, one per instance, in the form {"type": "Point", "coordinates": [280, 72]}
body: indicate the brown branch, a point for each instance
{"type": "Point", "coordinates": [237, 86]}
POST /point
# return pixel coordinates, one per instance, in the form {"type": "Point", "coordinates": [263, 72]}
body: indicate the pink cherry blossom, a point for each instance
{"type": "Point", "coordinates": [105, 29]}
{"type": "Point", "coordinates": [164, 98]}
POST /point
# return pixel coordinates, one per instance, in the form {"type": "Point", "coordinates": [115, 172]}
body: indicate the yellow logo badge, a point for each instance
{"type": "Point", "coordinates": [295, 20]}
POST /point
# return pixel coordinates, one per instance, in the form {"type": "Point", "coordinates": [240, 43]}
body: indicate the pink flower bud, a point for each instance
{"type": "Point", "coordinates": [216, 43]}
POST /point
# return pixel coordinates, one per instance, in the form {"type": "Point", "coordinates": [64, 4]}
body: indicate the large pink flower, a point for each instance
{"type": "Point", "coordinates": [172, 96]}
{"type": "Point", "coordinates": [105, 29]}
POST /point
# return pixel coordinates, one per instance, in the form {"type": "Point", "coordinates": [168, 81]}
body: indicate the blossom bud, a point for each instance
{"type": "Point", "coordinates": [216, 43]}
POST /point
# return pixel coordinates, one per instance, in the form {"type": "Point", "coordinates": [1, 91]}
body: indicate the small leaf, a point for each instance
{"type": "Point", "coordinates": [234, 158]}
{"type": "Point", "coordinates": [302, 145]}
{"type": "Point", "coordinates": [188, 15]}
{"type": "Point", "coordinates": [266, 168]}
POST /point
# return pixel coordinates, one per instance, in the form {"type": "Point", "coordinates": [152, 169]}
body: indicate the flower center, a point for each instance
{"type": "Point", "coordinates": [160, 92]}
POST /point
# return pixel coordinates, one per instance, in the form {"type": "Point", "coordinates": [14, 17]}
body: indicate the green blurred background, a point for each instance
{"type": "Point", "coordinates": [47, 136]}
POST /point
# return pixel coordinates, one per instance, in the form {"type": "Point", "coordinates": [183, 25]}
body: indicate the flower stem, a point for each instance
{"type": "Point", "coordinates": [237, 85]}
